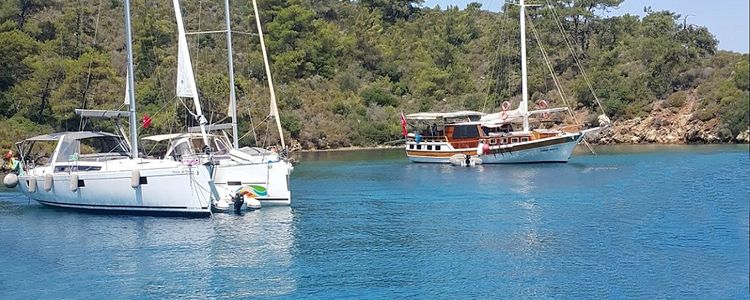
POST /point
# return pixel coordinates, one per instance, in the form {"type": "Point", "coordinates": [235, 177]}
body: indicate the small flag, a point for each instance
{"type": "Point", "coordinates": [403, 124]}
{"type": "Point", "coordinates": [146, 121]}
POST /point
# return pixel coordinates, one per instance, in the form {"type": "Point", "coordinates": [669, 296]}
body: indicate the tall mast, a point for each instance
{"type": "Point", "coordinates": [274, 108]}
{"type": "Point", "coordinates": [524, 88]}
{"type": "Point", "coordinates": [131, 84]}
{"type": "Point", "coordinates": [232, 99]}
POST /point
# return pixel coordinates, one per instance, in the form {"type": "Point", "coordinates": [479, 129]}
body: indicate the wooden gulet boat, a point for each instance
{"type": "Point", "coordinates": [470, 137]}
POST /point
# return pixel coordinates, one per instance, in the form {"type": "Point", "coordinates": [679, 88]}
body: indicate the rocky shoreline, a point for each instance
{"type": "Point", "coordinates": [664, 125]}
{"type": "Point", "coordinates": [669, 125]}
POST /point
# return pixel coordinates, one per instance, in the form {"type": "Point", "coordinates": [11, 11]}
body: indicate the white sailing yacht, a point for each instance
{"type": "Point", "coordinates": [99, 171]}
{"type": "Point", "coordinates": [469, 138]}
{"type": "Point", "coordinates": [245, 177]}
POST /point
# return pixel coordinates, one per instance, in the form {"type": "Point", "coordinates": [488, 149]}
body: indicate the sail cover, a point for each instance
{"type": "Point", "coordinates": [185, 77]}
{"type": "Point", "coordinates": [127, 91]}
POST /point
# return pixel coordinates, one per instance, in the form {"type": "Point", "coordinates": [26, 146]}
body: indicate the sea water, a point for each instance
{"type": "Point", "coordinates": [631, 222]}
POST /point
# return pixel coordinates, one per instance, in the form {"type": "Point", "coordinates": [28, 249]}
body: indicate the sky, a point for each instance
{"type": "Point", "coordinates": [728, 20]}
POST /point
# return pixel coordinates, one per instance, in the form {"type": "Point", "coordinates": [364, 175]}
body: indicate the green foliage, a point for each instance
{"type": "Point", "coordinates": [742, 75]}
{"type": "Point", "coordinates": [344, 70]}
{"type": "Point", "coordinates": [677, 99]}
{"type": "Point", "coordinates": [378, 97]}
{"type": "Point", "coordinates": [15, 46]}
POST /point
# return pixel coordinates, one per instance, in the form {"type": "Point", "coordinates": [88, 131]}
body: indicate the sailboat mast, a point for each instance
{"type": "Point", "coordinates": [131, 84]}
{"type": "Point", "coordinates": [274, 108]}
{"type": "Point", "coordinates": [524, 85]}
{"type": "Point", "coordinates": [232, 99]}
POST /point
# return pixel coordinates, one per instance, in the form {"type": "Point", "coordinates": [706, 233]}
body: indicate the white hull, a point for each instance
{"type": "Point", "coordinates": [111, 191]}
{"type": "Point", "coordinates": [269, 181]}
{"type": "Point", "coordinates": [528, 152]}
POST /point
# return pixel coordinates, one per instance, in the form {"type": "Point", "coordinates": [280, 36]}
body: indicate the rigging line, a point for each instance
{"type": "Point", "coordinates": [250, 114]}
{"type": "Point", "coordinates": [575, 57]}
{"type": "Point", "coordinates": [140, 128]}
{"type": "Point", "coordinates": [253, 129]}
{"type": "Point", "coordinates": [494, 65]}
{"type": "Point", "coordinates": [548, 64]}
{"type": "Point", "coordinates": [557, 83]}
{"type": "Point", "coordinates": [507, 62]}
{"type": "Point", "coordinates": [81, 124]}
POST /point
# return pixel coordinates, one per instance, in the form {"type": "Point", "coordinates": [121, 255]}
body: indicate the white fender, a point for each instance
{"type": "Point", "coordinates": [32, 184]}
{"type": "Point", "coordinates": [74, 182]}
{"type": "Point", "coordinates": [10, 181]}
{"type": "Point", "coordinates": [48, 182]}
{"type": "Point", "coordinates": [251, 202]}
{"type": "Point", "coordinates": [135, 179]}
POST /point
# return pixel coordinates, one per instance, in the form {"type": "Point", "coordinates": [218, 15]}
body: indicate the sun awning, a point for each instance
{"type": "Point", "coordinates": [211, 127]}
{"type": "Point", "coordinates": [103, 114]}
{"type": "Point", "coordinates": [443, 115]}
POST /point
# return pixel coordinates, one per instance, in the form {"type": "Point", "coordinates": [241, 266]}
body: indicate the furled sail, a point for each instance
{"type": "Point", "coordinates": [185, 78]}
{"type": "Point", "coordinates": [186, 86]}
{"type": "Point", "coordinates": [127, 91]}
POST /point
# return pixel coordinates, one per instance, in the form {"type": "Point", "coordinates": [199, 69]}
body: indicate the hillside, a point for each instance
{"type": "Point", "coordinates": [343, 71]}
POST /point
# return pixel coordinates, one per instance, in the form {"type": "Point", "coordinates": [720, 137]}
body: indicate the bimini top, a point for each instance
{"type": "Point", "coordinates": [76, 135]}
{"type": "Point", "coordinates": [446, 115]}
{"type": "Point", "coordinates": [173, 136]}
{"type": "Point", "coordinates": [102, 114]}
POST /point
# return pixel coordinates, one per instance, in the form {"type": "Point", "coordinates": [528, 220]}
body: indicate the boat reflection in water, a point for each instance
{"type": "Point", "coordinates": [135, 257]}
{"type": "Point", "coordinates": [255, 252]}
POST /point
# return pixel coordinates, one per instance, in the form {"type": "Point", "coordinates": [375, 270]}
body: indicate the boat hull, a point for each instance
{"type": "Point", "coordinates": [557, 149]}
{"type": "Point", "coordinates": [268, 181]}
{"type": "Point", "coordinates": [111, 191]}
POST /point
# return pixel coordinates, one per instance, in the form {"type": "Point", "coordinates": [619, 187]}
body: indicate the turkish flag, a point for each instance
{"type": "Point", "coordinates": [146, 121]}
{"type": "Point", "coordinates": [403, 124]}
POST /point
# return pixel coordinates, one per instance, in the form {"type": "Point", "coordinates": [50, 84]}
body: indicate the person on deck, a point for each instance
{"type": "Point", "coordinates": [11, 165]}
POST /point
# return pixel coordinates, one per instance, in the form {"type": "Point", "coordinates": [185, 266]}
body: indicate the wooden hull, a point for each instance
{"type": "Point", "coordinates": [555, 149]}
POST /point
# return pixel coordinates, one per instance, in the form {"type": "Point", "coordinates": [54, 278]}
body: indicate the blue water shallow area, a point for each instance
{"type": "Point", "coordinates": [631, 222]}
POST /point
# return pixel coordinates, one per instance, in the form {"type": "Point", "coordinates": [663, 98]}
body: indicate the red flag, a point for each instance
{"type": "Point", "coordinates": [403, 125]}
{"type": "Point", "coordinates": [146, 121]}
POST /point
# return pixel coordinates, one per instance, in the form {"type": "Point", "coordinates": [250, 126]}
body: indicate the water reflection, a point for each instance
{"type": "Point", "coordinates": [255, 249]}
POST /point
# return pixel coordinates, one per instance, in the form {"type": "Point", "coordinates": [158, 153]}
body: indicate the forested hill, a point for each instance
{"type": "Point", "coordinates": [343, 71]}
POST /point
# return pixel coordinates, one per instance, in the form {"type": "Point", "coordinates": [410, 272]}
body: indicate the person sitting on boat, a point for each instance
{"type": "Point", "coordinates": [11, 165]}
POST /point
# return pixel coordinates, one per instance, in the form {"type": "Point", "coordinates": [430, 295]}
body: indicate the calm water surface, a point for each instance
{"type": "Point", "coordinates": [632, 222]}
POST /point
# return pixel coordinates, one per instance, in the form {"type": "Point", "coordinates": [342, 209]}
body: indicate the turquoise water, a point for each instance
{"type": "Point", "coordinates": [632, 222]}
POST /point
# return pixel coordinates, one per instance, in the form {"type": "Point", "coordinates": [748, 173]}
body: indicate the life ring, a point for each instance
{"type": "Point", "coordinates": [505, 106]}
{"type": "Point", "coordinates": [504, 115]}
{"type": "Point", "coordinates": [541, 104]}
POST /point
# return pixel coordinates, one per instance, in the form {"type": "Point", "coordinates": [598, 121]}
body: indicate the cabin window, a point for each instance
{"type": "Point", "coordinates": [181, 149]}
{"type": "Point", "coordinates": [493, 141]}
{"type": "Point", "coordinates": [221, 148]}
{"type": "Point", "coordinates": [465, 131]}
{"type": "Point", "coordinates": [437, 147]}
{"type": "Point", "coordinates": [514, 140]}
{"type": "Point", "coordinates": [411, 146]}
{"type": "Point", "coordinates": [504, 141]}
{"type": "Point", "coordinates": [429, 147]}
{"type": "Point", "coordinates": [419, 147]}
{"type": "Point", "coordinates": [524, 139]}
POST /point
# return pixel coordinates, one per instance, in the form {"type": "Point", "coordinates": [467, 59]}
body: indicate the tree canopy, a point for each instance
{"type": "Point", "coordinates": [344, 69]}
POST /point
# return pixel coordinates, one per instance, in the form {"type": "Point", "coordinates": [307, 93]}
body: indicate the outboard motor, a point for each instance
{"type": "Point", "coordinates": [238, 201]}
